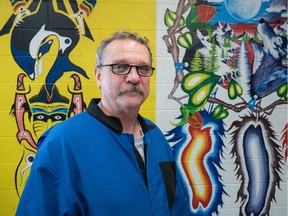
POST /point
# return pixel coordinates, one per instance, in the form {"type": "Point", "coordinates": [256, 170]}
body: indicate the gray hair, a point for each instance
{"type": "Point", "coordinates": [120, 35]}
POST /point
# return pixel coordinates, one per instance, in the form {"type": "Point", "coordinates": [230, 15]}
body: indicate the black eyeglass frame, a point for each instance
{"type": "Point", "coordinates": [128, 71]}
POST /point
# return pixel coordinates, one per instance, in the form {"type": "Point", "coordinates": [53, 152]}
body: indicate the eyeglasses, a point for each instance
{"type": "Point", "coordinates": [124, 69]}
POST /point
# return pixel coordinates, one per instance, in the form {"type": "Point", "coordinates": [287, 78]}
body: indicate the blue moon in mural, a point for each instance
{"type": "Point", "coordinates": [243, 9]}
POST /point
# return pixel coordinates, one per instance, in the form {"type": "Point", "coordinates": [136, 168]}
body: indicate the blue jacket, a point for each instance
{"type": "Point", "coordinates": [87, 166]}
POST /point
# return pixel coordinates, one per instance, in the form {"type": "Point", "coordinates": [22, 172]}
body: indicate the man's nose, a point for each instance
{"type": "Point", "coordinates": [133, 75]}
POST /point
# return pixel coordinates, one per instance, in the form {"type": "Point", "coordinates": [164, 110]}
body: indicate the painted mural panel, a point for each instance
{"type": "Point", "coordinates": [226, 89]}
{"type": "Point", "coordinates": [47, 81]}
{"type": "Point", "coordinates": [47, 57]}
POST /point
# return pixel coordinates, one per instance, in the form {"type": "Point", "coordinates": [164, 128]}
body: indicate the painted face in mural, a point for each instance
{"type": "Point", "coordinates": [123, 93]}
{"type": "Point", "coordinates": [47, 115]}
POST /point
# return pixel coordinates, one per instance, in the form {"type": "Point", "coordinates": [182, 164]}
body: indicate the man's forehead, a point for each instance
{"type": "Point", "coordinates": [121, 49]}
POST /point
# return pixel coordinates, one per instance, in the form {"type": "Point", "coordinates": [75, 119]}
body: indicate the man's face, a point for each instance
{"type": "Point", "coordinates": [116, 96]}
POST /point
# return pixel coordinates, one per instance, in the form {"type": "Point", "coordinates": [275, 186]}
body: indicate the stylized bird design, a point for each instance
{"type": "Point", "coordinates": [43, 42]}
{"type": "Point", "coordinates": [270, 62]}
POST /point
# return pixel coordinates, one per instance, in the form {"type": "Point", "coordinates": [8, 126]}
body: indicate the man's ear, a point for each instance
{"type": "Point", "coordinates": [98, 77]}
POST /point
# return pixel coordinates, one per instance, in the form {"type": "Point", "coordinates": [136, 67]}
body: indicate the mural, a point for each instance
{"type": "Point", "coordinates": [230, 60]}
{"type": "Point", "coordinates": [47, 60]}
{"type": "Point", "coordinates": [43, 34]}
{"type": "Point", "coordinates": [229, 91]}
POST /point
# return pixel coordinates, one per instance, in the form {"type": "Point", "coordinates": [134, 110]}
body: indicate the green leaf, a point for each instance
{"type": "Point", "coordinates": [282, 90]}
{"type": "Point", "coordinates": [199, 86]}
{"type": "Point", "coordinates": [186, 111]}
{"type": "Point", "coordinates": [234, 90]}
{"type": "Point", "coordinates": [219, 113]}
{"type": "Point", "coordinates": [185, 40]}
{"type": "Point", "coordinates": [195, 80]}
{"type": "Point", "coordinates": [191, 17]}
{"type": "Point", "coordinates": [169, 18]}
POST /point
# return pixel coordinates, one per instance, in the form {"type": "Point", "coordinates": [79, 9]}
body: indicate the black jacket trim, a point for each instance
{"type": "Point", "coordinates": [113, 122]}
{"type": "Point", "coordinates": [168, 169]}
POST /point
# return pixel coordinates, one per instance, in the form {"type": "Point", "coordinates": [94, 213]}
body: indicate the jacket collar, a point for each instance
{"type": "Point", "coordinates": [112, 122]}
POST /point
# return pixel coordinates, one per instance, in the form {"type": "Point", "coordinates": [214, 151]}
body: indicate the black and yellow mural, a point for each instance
{"type": "Point", "coordinates": [47, 61]}
{"type": "Point", "coordinates": [42, 39]}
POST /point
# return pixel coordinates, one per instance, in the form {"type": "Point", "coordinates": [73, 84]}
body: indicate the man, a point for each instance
{"type": "Point", "coordinates": [109, 160]}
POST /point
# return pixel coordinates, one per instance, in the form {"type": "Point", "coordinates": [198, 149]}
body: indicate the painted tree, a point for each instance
{"type": "Point", "coordinates": [227, 42]}
{"type": "Point", "coordinates": [256, 37]}
{"type": "Point", "coordinates": [222, 53]}
{"type": "Point", "coordinates": [212, 61]}
{"type": "Point", "coordinates": [196, 63]}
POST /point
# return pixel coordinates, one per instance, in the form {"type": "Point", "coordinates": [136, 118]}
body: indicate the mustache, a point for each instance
{"type": "Point", "coordinates": [131, 88]}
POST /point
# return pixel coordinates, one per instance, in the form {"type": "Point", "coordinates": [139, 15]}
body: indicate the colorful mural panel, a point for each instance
{"type": "Point", "coordinates": [229, 83]}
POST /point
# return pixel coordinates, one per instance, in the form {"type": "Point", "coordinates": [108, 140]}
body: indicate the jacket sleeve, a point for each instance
{"type": "Point", "coordinates": [44, 192]}
{"type": "Point", "coordinates": [42, 195]}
